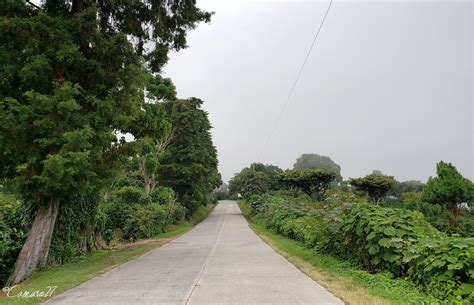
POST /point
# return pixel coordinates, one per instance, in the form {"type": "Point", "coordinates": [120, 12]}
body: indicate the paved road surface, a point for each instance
{"type": "Point", "coordinates": [221, 261]}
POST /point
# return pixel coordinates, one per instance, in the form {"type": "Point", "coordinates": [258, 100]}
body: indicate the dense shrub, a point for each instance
{"type": "Point", "coordinates": [256, 179]}
{"type": "Point", "coordinates": [437, 215]}
{"type": "Point", "coordinates": [339, 197]}
{"type": "Point", "coordinates": [144, 221]}
{"type": "Point", "coordinates": [120, 208]}
{"type": "Point", "coordinates": [380, 237]}
{"type": "Point", "coordinates": [131, 195]}
{"type": "Point", "coordinates": [213, 198]}
{"type": "Point", "coordinates": [377, 238]}
{"type": "Point", "coordinates": [314, 182]}
{"type": "Point", "coordinates": [132, 214]}
{"type": "Point", "coordinates": [444, 267]}
{"type": "Point", "coordinates": [78, 227]}
{"type": "Point", "coordinates": [163, 195]}
{"type": "Point", "coordinates": [14, 224]}
{"type": "Point", "coordinates": [174, 212]}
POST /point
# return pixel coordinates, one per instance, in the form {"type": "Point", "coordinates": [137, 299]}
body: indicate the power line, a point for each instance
{"type": "Point", "coordinates": [298, 77]}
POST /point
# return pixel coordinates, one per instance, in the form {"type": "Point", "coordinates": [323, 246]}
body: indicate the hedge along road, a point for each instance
{"type": "Point", "coordinates": [221, 261]}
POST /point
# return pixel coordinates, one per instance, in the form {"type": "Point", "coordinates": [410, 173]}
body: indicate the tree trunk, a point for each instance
{"type": "Point", "coordinates": [456, 211]}
{"type": "Point", "coordinates": [36, 247]}
{"type": "Point", "coordinates": [147, 188]}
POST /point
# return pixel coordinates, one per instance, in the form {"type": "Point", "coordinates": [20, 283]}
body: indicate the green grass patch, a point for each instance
{"type": "Point", "coordinates": [380, 288]}
{"type": "Point", "coordinates": [84, 268]}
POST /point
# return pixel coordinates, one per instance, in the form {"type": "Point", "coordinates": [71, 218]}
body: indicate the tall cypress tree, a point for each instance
{"type": "Point", "coordinates": [189, 165]}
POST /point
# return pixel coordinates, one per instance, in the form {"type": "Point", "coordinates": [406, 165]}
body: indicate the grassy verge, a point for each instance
{"type": "Point", "coordinates": [71, 274]}
{"type": "Point", "coordinates": [352, 285]}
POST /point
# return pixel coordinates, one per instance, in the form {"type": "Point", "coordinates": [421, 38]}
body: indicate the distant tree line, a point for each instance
{"type": "Point", "coordinates": [314, 175]}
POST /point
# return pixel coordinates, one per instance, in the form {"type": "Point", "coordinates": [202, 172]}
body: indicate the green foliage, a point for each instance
{"type": "Point", "coordinates": [249, 182]}
{"type": "Point", "coordinates": [340, 197]}
{"type": "Point", "coordinates": [14, 223]}
{"type": "Point", "coordinates": [313, 182]}
{"type": "Point", "coordinates": [378, 239]}
{"type": "Point", "coordinates": [78, 228]}
{"type": "Point", "coordinates": [155, 27]}
{"type": "Point", "coordinates": [133, 214]}
{"type": "Point", "coordinates": [256, 179]}
{"type": "Point", "coordinates": [411, 186]}
{"type": "Point", "coordinates": [70, 116]}
{"type": "Point", "coordinates": [444, 267]}
{"type": "Point", "coordinates": [271, 172]}
{"type": "Point", "coordinates": [449, 188]}
{"type": "Point", "coordinates": [189, 164]}
{"type": "Point", "coordinates": [437, 215]}
{"type": "Point", "coordinates": [163, 195]}
{"type": "Point", "coordinates": [318, 162]}
{"type": "Point", "coordinates": [152, 132]}
{"type": "Point", "coordinates": [376, 186]}
{"type": "Point", "coordinates": [121, 207]}
{"type": "Point", "coordinates": [144, 221]}
{"type": "Point", "coordinates": [160, 89]}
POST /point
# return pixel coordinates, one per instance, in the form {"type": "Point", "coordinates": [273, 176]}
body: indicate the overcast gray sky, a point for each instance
{"type": "Point", "coordinates": [388, 85]}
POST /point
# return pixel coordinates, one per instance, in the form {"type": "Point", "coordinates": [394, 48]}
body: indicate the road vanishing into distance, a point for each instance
{"type": "Point", "coordinates": [220, 261]}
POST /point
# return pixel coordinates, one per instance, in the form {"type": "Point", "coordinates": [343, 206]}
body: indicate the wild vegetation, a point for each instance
{"type": "Point", "coordinates": [374, 225]}
{"type": "Point", "coordinates": [82, 268]}
{"type": "Point", "coordinates": [96, 147]}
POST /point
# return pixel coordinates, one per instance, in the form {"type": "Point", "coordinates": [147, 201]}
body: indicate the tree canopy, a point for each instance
{"type": "Point", "coordinates": [318, 162]}
{"type": "Point", "coordinates": [153, 132]}
{"type": "Point", "coordinates": [410, 186]}
{"type": "Point", "coordinates": [249, 182]}
{"type": "Point", "coordinates": [449, 188]}
{"type": "Point", "coordinates": [375, 185]}
{"type": "Point", "coordinates": [313, 182]}
{"type": "Point", "coordinates": [258, 178]}
{"type": "Point", "coordinates": [189, 164]}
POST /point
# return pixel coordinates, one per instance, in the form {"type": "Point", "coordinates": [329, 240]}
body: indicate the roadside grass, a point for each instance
{"type": "Point", "coordinates": [84, 268]}
{"type": "Point", "coordinates": [343, 279]}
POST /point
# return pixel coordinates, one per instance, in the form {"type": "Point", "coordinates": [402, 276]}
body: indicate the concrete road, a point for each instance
{"type": "Point", "coordinates": [221, 261]}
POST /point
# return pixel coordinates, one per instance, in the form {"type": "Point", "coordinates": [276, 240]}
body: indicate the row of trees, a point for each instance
{"type": "Point", "coordinates": [320, 172]}
{"type": "Point", "coordinates": [314, 174]}
{"type": "Point", "coordinates": [75, 76]}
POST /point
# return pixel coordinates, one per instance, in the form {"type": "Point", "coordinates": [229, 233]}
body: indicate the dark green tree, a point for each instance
{"type": "Point", "coordinates": [313, 182]}
{"type": "Point", "coordinates": [249, 182]}
{"type": "Point", "coordinates": [318, 162]}
{"type": "Point", "coordinates": [410, 186]}
{"type": "Point", "coordinates": [153, 132]}
{"type": "Point", "coordinates": [375, 185]}
{"type": "Point", "coordinates": [271, 171]}
{"type": "Point", "coordinates": [71, 81]}
{"type": "Point", "coordinates": [189, 165]}
{"type": "Point", "coordinates": [258, 178]}
{"type": "Point", "coordinates": [449, 188]}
